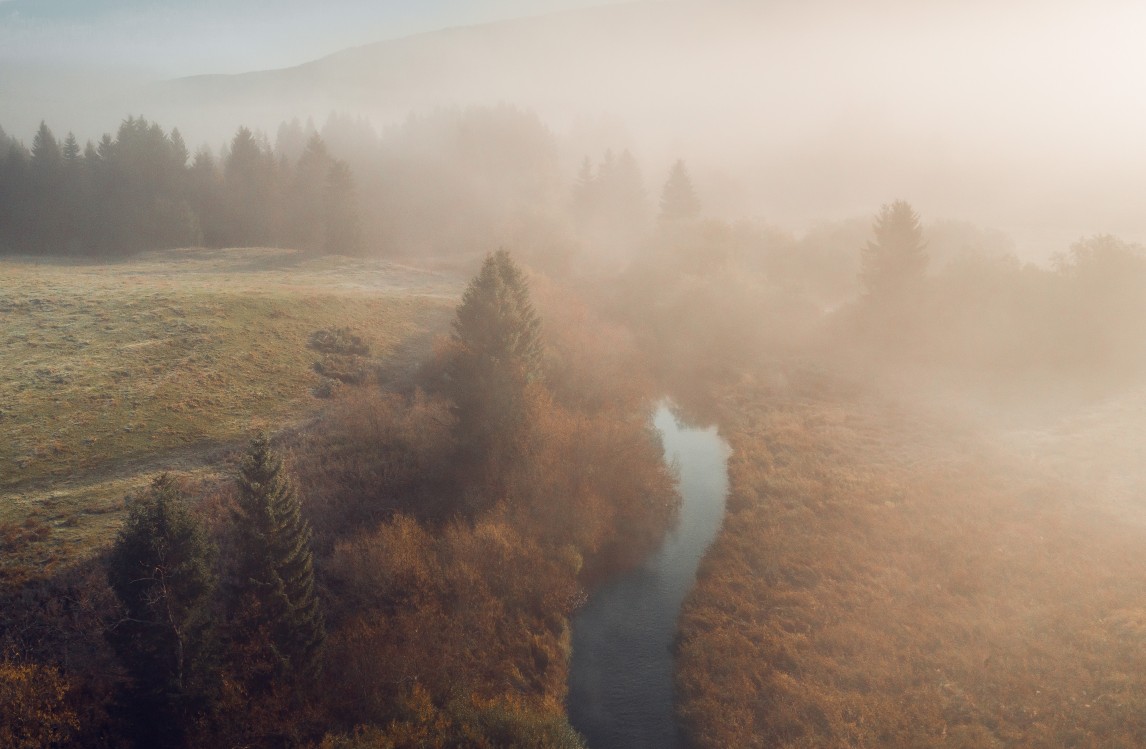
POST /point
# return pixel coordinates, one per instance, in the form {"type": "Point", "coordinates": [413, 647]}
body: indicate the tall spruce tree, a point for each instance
{"type": "Point", "coordinates": [497, 336]}
{"type": "Point", "coordinates": [678, 198]}
{"type": "Point", "coordinates": [894, 263]}
{"type": "Point", "coordinates": [272, 599]}
{"type": "Point", "coordinates": [161, 570]}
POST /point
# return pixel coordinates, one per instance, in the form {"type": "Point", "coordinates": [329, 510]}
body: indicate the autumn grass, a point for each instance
{"type": "Point", "coordinates": [890, 577]}
{"type": "Point", "coordinates": [114, 372]}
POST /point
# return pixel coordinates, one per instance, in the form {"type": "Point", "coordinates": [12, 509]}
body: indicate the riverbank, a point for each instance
{"type": "Point", "coordinates": [887, 578]}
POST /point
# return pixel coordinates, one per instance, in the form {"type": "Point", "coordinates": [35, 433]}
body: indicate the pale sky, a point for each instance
{"type": "Point", "coordinates": [168, 39]}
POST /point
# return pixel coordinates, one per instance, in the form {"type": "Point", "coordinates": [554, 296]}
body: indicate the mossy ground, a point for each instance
{"type": "Point", "coordinates": [111, 373]}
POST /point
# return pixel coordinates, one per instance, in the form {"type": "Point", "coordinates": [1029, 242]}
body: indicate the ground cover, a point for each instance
{"type": "Point", "coordinates": [890, 576]}
{"type": "Point", "coordinates": [110, 373]}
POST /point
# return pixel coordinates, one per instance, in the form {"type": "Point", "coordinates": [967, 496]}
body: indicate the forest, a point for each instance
{"type": "Point", "coordinates": [398, 565]}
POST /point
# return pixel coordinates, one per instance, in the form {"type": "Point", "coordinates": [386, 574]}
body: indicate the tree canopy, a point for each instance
{"type": "Point", "coordinates": [498, 352]}
{"type": "Point", "coordinates": [161, 570]}
{"type": "Point", "coordinates": [272, 596]}
{"type": "Point", "coordinates": [678, 198]}
{"type": "Point", "coordinates": [895, 260]}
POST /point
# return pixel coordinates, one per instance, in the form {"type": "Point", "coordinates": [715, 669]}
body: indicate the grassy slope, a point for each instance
{"type": "Point", "coordinates": [110, 373]}
{"type": "Point", "coordinates": [888, 579]}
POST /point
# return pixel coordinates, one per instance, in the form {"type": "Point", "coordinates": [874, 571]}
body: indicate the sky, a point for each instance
{"type": "Point", "coordinates": [164, 38]}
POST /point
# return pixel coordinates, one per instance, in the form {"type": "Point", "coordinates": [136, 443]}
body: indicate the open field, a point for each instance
{"type": "Point", "coordinates": [110, 373]}
{"type": "Point", "coordinates": [889, 576]}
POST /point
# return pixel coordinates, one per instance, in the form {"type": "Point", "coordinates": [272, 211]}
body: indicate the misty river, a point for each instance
{"type": "Point", "coordinates": [621, 675]}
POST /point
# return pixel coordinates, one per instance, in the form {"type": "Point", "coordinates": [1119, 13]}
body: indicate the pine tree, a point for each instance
{"type": "Point", "coordinates": [160, 569]}
{"type": "Point", "coordinates": [272, 599]}
{"type": "Point", "coordinates": [250, 179]}
{"type": "Point", "coordinates": [46, 154]}
{"type": "Point", "coordinates": [340, 211]}
{"type": "Point", "coordinates": [678, 199]}
{"type": "Point", "coordinates": [895, 262]}
{"type": "Point", "coordinates": [306, 196]}
{"type": "Point", "coordinates": [71, 150]}
{"type": "Point", "coordinates": [498, 343]}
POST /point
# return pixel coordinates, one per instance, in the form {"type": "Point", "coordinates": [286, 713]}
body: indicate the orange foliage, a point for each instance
{"type": "Point", "coordinates": [595, 481]}
{"type": "Point", "coordinates": [478, 608]}
{"type": "Point", "coordinates": [33, 707]}
{"type": "Point", "coordinates": [374, 454]}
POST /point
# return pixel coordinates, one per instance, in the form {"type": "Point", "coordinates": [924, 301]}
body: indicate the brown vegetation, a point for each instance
{"type": "Point", "coordinates": [884, 579]}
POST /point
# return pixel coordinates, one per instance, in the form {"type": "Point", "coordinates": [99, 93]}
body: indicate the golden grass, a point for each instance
{"type": "Point", "coordinates": [886, 579]}
{"type": "Point", "coordinates": [110, 373]}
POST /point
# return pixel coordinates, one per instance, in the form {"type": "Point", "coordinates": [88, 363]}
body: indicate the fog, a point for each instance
{"type": "Point", "coordinates": [890, 254]}
{"type": "Point", "coordinates": [1018, 116]}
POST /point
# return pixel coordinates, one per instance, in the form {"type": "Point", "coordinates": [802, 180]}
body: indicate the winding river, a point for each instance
{"type": "Point", "coordinates": [621, 675]}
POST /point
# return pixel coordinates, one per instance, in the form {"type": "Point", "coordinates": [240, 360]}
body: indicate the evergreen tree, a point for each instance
{"type": "Point", "coordinates": [160, 568]}
{"type": "Point", "coordinates": [17, 202]}
{"type": "Point", "coordinates": [895, 261]}
{"type": "Point", "coordinates": [205, 193]}
{"type": "Point", "coordinates": [46, 154]}
{"type": "Point", "coordinates": [498, 353]}
{"type": "Point", "coordinates": [340, 211]}
{"type": "Point", "coordinates": [74, 195]}
{"type": "Point", "coordinates": [272, 600]}
{"type": "Point", "coordinates": [71, 150]}
{"type": "Point", "coordinates": [47, 172]}
{"type": "Point", "coordinates": [249, 177]}
{"type": "Point", "coordinates": [306, 196]}
{"type": "Point", "coordinates": [678, 199]}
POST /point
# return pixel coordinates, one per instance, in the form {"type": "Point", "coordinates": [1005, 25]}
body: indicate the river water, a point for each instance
{"type": "Point", "coordinates": [621, 675]}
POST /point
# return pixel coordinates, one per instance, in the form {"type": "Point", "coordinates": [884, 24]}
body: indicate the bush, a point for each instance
{"type": "Point", "coordinates": [343, 341]}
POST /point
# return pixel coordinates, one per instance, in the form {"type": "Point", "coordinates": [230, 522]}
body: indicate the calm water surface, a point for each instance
{"type": "Point", "coordinates": [621, 675]}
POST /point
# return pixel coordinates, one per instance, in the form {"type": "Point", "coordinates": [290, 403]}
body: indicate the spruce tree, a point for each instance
{"type": "Point", "coordinates": [497, 336]}
{"type": "Point", "coordinates": [272, 598]}
{"type": "Point", "coordinates": [678, 199]}
{"type": "Point", "coordinates": [895, 261]}
{"type": "Point", "coordinates": [340, 211]}
{"type": "Point", "coordinates": [161, 570]}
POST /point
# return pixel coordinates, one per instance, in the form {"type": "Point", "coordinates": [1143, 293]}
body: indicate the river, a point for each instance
{"type": "Point", "coordinates": [621, 675]}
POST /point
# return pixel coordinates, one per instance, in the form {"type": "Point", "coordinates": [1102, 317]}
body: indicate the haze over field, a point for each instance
{"type": "Point", "coordinates": [341, 346]}
{"type": "Point", "coordinates": [1021, 116]}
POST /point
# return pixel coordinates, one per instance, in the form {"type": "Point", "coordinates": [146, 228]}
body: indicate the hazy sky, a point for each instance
{"type": "Point", "coordinates": [165, 38]}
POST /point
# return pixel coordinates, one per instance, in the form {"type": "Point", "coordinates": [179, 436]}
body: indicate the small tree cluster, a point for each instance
{"type": "Point", "coordinates": [609, 200]}
{"type": "Point", "coordinates": [184, 667]}
{"type": "Point", "coordinates": [272, 599]}
{"type": "Point", "coordinates": [161, 570]}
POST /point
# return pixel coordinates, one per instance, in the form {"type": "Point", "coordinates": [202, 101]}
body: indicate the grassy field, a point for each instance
{"type": "Point", "coordinates": [111, 373]}
{"type": "Point", "coordinates": [889, 575]}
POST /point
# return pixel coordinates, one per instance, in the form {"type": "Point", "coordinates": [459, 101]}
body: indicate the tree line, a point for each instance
{"type": "Point", "coordinates": [143, 190]}
{"type": "Point", "coordinates": [442, 182]}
